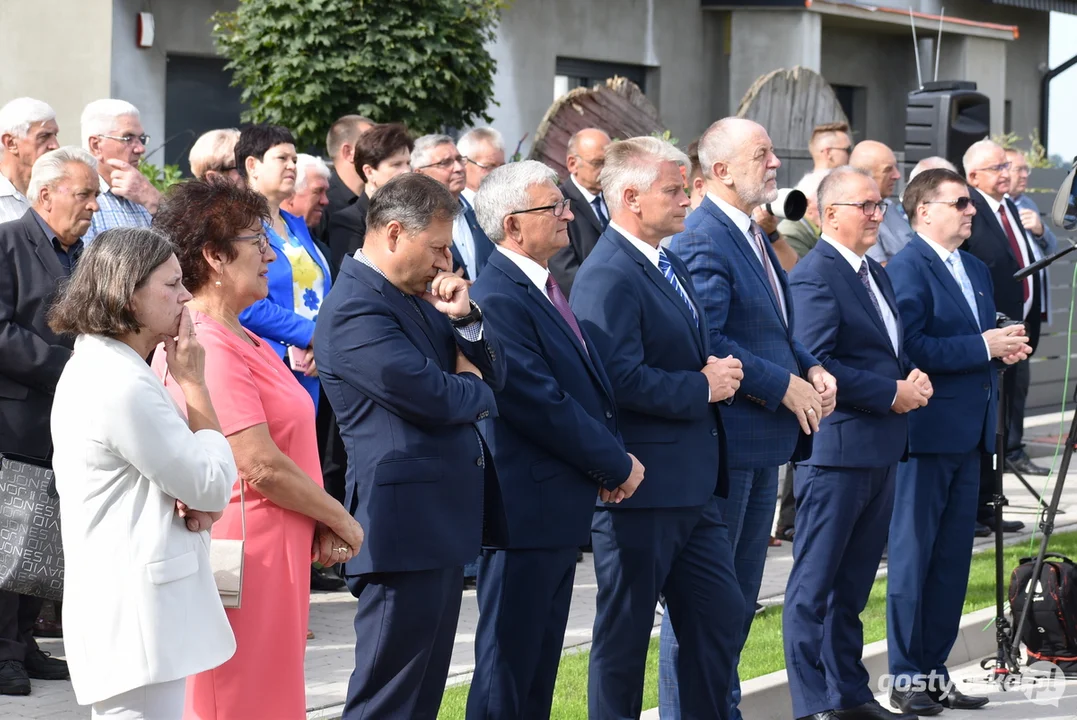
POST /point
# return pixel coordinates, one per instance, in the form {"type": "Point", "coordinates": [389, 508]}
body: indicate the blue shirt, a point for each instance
{"type": "Point", "coordinates": [68, 257]}
{"type": "Point", "coordinates": [115, 211]}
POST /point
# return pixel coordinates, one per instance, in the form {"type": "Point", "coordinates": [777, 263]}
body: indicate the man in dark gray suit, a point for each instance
{"type": "Point", "coordinates": [586, 152]}
{"type": "Point", "coordinates": [37, 252]}
{"type": "Point", "coordinates": [878, 160]}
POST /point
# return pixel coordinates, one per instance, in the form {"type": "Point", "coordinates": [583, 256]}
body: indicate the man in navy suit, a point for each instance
{"type": "Point", "coordinates": [555, 446]}
{"type": "Point", "coordinates": [785, 393]}
{"type": "Point", "coordinates": [845, 490]}
{"type": "Point", "coordinates": [945, 299]}
{"type": "Point", "coordinates": [437, 157]}
{"type": "Point", "coordinates": [410, 368]}
{"type": "Point", "coordinates": [636, 303]}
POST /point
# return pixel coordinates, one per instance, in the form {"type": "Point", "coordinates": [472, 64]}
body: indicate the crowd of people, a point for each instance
{"type": "Point", "coordinates": [425, 367]}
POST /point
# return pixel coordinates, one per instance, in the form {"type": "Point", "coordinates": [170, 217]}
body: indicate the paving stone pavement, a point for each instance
{"type": "Point", "coordinates": [330, 656]}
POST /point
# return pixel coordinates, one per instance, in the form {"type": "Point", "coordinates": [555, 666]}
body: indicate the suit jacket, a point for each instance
{"type": "Point", "coordinates": [943, 338]}
{"type": "Point", "coordinates": [483, 247]}
{"type": "Point", "coordinates": [340, 197]}
{"type": "Point", "coordinates": [894, 234]}
{"type": "Point", "coordinates": [583, 234]}
{"type": "Point", "coordinates": [989, 243]}
{"type": "Point", "coordinates": [31, 355]}
{"type": "Point", "coordinates": [141, 604]}
{"type": "Point", "coordinates": [744, 320]}
{"type": "Point", "coordinates": [416, 465]}
{"type": "Point", "coordinates": [653, 352]}
{"type": "Point", "coordinates": [554, 441]}
{"type": "Point", "coordinates": [839, 325]}
{"type": "Point", "coordinates": [346, 230]}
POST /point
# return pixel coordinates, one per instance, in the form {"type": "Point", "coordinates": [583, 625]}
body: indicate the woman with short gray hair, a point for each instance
{"type": "Point", "coordinates": [139, 484]}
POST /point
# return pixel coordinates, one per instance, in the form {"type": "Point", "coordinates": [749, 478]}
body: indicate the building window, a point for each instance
{"type": "Point", "coordinates": [854, 101]}
{"type": "Point", "coordinates": [571, 73]}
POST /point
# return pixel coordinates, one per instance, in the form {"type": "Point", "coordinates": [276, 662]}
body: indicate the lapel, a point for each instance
{"type": "Point", "coordinates": [853, 280]}
{"type": "Point", "coordinates": [740, 241]}
{"type": "Point", "coordinates": [664, 287]}
{"type": "Point", "coordinates": [570, 190]}
{"type": "Point", "coordinates": [942, 274]}
{"type": "Point", "coordinates": [992, 220]}
{"type": "Point", "coordinates": [44, 250]}
{"type": "Point", "coordinates": [458, 260]}
{"type": "Point", "coordinates": [299, 229]}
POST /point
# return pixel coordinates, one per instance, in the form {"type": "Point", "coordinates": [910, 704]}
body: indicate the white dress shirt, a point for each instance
{"type": "Point", "coordinates": [465, 243]}
{"type": "Point", "coordinates": [744, 224]}
{"type": "Point", "coordinates": [944, 255]}
{"type": "Point", "coordinates": [854, 260]}
{"type": "Point", "coordinates": [13, 204]}
{"type": "Point", "coordinates": [469, 195]}
{"type": "Point", "coordinates": [1019, 233]}
{"type": "Point", "coordinates": [591, 199]}
{"type": "Point", "coordinates": [534, 272]}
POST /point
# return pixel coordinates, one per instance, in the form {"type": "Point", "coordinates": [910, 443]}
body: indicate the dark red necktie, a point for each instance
{"type": "Point", "coordinates": [1003, 215]}
{"type": "Point", "coordinates": [560, 302]}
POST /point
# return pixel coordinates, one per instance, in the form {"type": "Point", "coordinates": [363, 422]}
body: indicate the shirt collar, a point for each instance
{"type": "Point", "coordinates": [991, 202]}
{"type": "Point", "coordinates": [469, 195]}
{"type": "Point", "coordinates": [7, 188]}
{"type": "Point", "coordinates": [851, 257]}
{"type": "Point", "coordinates": [739, 218]}
{"type": "Point", "coordinates": [583, 191]}
{"type": "Point", "coordinates": [534, 272]}
{"type": "Point", "coordinates": [49, 232]}
{"type": "Point", "coordinates": [651, 253]}
{"type": "Point", "coordinates": [942, 252]}
{"type": "Point", "coordinates": [103, 185]}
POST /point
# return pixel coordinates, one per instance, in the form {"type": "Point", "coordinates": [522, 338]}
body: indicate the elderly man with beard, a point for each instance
{"type": "Point", "coordinates": [785, 393]}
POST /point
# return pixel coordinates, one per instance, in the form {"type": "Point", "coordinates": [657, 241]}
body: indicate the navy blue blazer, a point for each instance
{"type": "Point", "coordinates": [555, 440]}
{"type": "Point", "coordinates": [416, 466]}
{"type": "Point", "coordinates": [653, 353]}
{"type": "Point", "coordinates": [744, 320]}
{"type": "Point", "coordinates": [944, 339]}
{"type": "Point", "coordinates": [484, 248]}
{"type": "Point", "coordinates": [839, 325]}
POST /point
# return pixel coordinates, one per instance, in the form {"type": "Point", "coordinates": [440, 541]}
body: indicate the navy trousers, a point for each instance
{"type": "Point", "coordinates": [524, 598]}
{"type": "Point", "coordinates": [685, 554]}
{"type": "Point", "coordinates": [405, 627]}
{"type": "Point", "coordinates": [931, 536]}
{"type": "Point", "coordinates": [843, 515]}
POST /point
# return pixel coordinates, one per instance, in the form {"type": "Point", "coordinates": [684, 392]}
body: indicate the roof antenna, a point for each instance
{"type": "Point", "coordinates": [916, 50]}
{"type": "Point", "coordinates": [938, 44]}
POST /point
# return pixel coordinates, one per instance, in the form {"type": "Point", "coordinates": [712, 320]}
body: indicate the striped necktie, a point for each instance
{"type": "Point", "coordinates": [667, 269]}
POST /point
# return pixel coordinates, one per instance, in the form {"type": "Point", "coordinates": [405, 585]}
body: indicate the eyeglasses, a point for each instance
{"type": "Point", "coordinates": [558, 209]}
{"type": "Point", "coordinates": [996, 168]}
{"type": "Point", "coordinates": [484, 166]}
{"type": "Point", "coordinates": [128, 139]}
{"type": "Point", "coordinates": [260, 239]}
{"type": "Point", "coordinates": [868, 206]}
{"type": "Point", "coordinates": [961, 204]}
{"type": "Point", "coordinates": [444, 164]}
{"type": "Point", "coordinates": [596, 164]}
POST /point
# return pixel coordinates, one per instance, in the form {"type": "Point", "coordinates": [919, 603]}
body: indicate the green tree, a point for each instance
{"type": "Point", "coordinates": [304, 63]}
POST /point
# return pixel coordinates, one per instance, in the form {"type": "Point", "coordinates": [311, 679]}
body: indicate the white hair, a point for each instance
{"type": "Point", "coordinates": [809, 184]}
{"type": "Point", "coordinates": [931, 163]}
{"type": "Point", "coordinates": [977, 150]}
{"type": "Point", "coordinates": [99, 117]}
{"type": "Point", "coordinates": [420, 152]}
{"type": "Point", "coordinates": [635, 163]}
{"type": "Point", "coordinates": [305, 162]}
{"type": "Point", "coordinates": [53, 166]}
{"type": "Point", "coordinates": [17, 116]}
{"type": "Point", "coordinates": [469, 142]}
{"type": "Point", "coordinates": [504, 190]}
{"type": "Point", "coordinates": [721, 142]}
{"type": "Point", "coordinates": [213, 150]}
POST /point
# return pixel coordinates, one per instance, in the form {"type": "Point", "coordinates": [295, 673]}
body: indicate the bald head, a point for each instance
{"type": "Point", "coordinates": [586, 150]}
{"type": "Point", "coordinates": [738, 163]}
{"type": "Point", "coordinates": [931, 163]}
{"type": "Point", "coordinates": [986, 168]}
{"type": "Point", "coordinates": [878, 161]}
{"type": "Point", "coordinates": [842, 197]}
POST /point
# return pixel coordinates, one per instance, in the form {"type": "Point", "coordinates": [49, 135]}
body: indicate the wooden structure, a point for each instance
{"type": "Point", "coordinates": [617, 106]}
{"type": "Point", "coordinates": [789, 104]}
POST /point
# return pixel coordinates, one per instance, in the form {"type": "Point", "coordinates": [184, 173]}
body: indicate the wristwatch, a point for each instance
{"type": "Point", "coordinates": [474, 316]}
{"type": "Point", "coordinates": [774, 236]}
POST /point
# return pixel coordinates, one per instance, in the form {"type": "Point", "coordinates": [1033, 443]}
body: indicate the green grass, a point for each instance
{"type": "Point", "coordinates": [763, 653]}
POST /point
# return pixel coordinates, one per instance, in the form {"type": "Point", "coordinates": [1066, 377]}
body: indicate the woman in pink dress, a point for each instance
{"type": "Point", "coordinates": [268, 419]}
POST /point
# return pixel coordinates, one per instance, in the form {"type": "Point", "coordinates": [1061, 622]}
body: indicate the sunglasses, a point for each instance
{"type": "Point", "coordinates": [961, 204]}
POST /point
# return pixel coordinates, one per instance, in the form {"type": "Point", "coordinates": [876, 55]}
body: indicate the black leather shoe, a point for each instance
{"type": "Point", "coordinates": [579, 556]}
{"type": "Point", "coordinates": [1025, 466]}
{"type": "Point", "coordinates": [41, 666]}
{"type": "Point", "coordinates": [982, 530]}
{"type": "Point", "coordinates": [872, 711]}
{"type": "Point", "coordinates": [954, 699]}
{"type": "Point", "coordinates": [914, 702]}
{"type": "Point", "coordinates": [13, 678]}
{"type": "Point", "coordinates": [325, 580]}
{"type": "Point", "coordinates": [1008, 526]}
{"type": "Point", "coordinates": [825, 715]}
{"type": "Point", "coordinates": [785, 533]}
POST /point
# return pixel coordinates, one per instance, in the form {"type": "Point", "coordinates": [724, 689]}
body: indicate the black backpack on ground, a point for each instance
{"type": "Point", "coordinates": [1050, 632]}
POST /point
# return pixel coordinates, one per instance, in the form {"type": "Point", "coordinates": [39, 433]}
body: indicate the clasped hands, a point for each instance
{"type": "Point", "coordinates": [1008, 344]}
{"type": "Point", "coordinates": [813, 399]}
{"type": "Point", "coordinates": [912, 392]}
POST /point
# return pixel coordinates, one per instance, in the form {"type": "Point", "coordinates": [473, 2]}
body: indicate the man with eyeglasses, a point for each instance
{"type": "Point", "coordinates": [112, 132]}
{"type": "Point", "coordinates": [830, 146]}
{"type": "Point", "coordinates": [879, 161]}
{"type": "Point", "coordinates": [484, 151]}
{"type": "Point", "coordinates": [1001, 241]}
{"type": "Point", "coordinates": [1044, 242]}
{"type": "Point", "coordinates": [848, 319]}
{"type": "Point", "coordinates": [438, 157]}
{"type": "Point", "coordinates": [945, 301]}
{"type": "Point", "coordinates": [584, 160]}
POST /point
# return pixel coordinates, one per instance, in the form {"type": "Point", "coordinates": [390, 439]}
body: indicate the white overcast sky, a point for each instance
{"type": "Point", "coordinates": [1063, 117]}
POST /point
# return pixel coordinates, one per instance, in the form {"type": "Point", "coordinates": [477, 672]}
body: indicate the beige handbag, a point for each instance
{"type": "Point", "coordinates": [226, 559]}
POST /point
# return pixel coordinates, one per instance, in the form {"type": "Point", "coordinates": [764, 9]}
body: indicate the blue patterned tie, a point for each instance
{"type": "Point", "coordinates": [862, 273]}
{"type": "Point", "coordinates": [667, 270]}
{"type": "Point", "coordinates": [957, 269]}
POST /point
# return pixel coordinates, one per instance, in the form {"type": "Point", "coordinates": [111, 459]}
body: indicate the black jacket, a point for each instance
{"type": "Point", "coordinates": [583, 233]}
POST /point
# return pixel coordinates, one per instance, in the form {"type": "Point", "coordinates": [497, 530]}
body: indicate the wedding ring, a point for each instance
{"type": "Point", "coordinates": [341, 549]}
{"type": "Point", "coordinates": [811, 411]}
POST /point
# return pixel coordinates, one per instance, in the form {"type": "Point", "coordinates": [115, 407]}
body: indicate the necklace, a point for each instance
{"type": "Point", "coordinates": [235, 328]}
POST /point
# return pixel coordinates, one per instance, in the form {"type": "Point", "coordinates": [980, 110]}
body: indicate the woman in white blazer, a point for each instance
{"type": "Point", "coordinates": [139, 485]}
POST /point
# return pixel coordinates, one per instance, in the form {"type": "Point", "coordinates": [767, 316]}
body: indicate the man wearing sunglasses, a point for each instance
{"type": "Point", "coordinates": [112, 132]}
